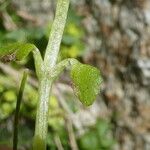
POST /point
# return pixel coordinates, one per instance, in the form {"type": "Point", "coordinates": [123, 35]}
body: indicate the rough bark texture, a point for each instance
{"type": "Point", "coordinates": [122, 51]}
{"type": "Point", "coordinates": [118, 42]}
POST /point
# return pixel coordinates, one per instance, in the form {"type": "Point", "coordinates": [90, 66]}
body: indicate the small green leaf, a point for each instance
{"type": "Point", "coordinates": [86, 80]}
{"type": "Point", "coordinates": [15, 51]}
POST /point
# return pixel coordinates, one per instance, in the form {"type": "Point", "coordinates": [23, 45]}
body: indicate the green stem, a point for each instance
{"type": "Point", "coordinates": [42, 115]}
{"type": "Point", "coordinates": [19, 98]}
{"type": "Point", "coordinates": [62, 65]}
{"type": "Point", "coordinates": [56, 34]}
{"type": "Point", "coordinates": [39, 64]}
{"type": "Point", "coordinates": [46, 68]}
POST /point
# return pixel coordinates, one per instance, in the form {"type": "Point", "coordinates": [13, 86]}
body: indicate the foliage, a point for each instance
{"type": "Point", "coordinates": [72, 42]}
{"type": "Point", "coordinates": [86, 79]}
{"type": "Point", "coordinates": [98, 137]}
{"type": "Point", "coordinates": [15, 51]}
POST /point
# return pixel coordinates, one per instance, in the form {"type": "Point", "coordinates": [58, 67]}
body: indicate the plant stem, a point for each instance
{"type": "Point", "coordinates": [56, 34]}
{"type": "Point", "coordinates": [42, 115]}
{"type": "Point", "coordinates": [19, 98]}
{"type": "Point", "coordinates": [50, 59]}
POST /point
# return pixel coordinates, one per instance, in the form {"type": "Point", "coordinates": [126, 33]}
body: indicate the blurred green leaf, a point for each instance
{"type": "Point", "coordinates": [1, 88]}
{"type": "Point", "coordinates": [24, 34]}
{"type": "Point", "coordinates": [89, 141]}
{"type": "Point", "coordinates": [15, 51]}
{"type": "Point", "coordinates": [74, 31]}
{"type": "Point", "coordinates": [86, 80]}
{"type": "Point", "coordinates": [98, 137]}
{"type": "Point", "coordinates": [10, 96]}
{"type": "Point", "coordinates": [5, 110]}
{"type": "Point", "coordinates": [16, 35]}
{"type": "Point", "coordinates": [102, 128]}
{"type": "Point", "coordinates": [55, 120]}
{"type": "Point", "coordinates": [68, 39]}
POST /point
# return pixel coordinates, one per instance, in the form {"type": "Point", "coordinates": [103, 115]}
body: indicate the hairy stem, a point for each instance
{"type": "Point", "coordinates": [42, 115]}
{"type": "Point", "coordinates": [56, 33]}
{"type": "Point", "coordinates": [49, 63]}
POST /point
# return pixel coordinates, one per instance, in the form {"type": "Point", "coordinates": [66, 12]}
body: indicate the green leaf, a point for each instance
{"type": "Point", "coordinates": [86, 80]}
{"type": "Point", "coordinates": [89, 141]}
{"type": "Point", "coordinates": [15, 51]}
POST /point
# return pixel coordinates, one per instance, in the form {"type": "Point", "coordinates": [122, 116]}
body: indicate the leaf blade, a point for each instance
{"type": "Point", "coordinates": [18, 50]}
{"type": "Point", "coordinates": [86, 80]}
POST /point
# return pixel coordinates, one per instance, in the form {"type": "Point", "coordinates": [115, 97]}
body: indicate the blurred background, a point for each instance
{"type": "Point", "coordinates": [112, 35]}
